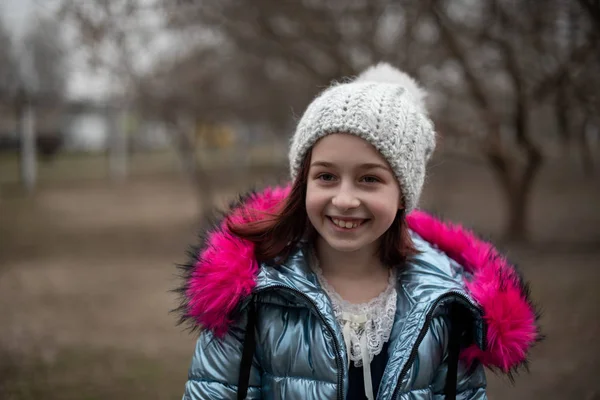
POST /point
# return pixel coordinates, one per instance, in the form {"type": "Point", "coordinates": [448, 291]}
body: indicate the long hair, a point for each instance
{"type": "Point", "coordinates": [276, 234]}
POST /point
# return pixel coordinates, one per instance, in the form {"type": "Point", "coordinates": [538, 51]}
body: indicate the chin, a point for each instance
{"type": "Point", "coordinates": [344, 247]}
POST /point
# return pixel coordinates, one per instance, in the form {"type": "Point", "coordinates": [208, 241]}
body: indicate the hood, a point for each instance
{"type": "Point", "coordinates": [222, 273]}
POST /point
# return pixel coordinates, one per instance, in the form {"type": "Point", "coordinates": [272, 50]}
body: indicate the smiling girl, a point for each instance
{"type": "Point", "coordinates": [336, 287]}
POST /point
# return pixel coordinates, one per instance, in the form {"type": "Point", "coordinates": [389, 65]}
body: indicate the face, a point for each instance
{"type": "Point", "coordinates": [352, 194]}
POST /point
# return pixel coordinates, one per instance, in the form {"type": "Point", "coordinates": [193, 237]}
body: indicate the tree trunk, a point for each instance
{"type": "Point", "coordinates": [516, 182]}
{"type": "Point", "coordinates": [198, 177]}
{"type": "Point", "coordinates": [118, 153]}
{"type": "Point", "coordinates": [28, 146]}
{"type": "Point", "coordinates": [517, 228]}
{"type": "Point", "coordinates": [587, 158]}
{"type": "Point", "coordinates": [518, 208]}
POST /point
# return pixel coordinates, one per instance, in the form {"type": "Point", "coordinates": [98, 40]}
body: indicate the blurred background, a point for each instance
{"type": "Point", "coordinates": [124, 123]}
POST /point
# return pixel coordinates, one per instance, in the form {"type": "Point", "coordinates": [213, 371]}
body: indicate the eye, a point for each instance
{"type": "Point", "coordinates": [326, 177]}
{"type": "Point", "coordinates": [370, 179]}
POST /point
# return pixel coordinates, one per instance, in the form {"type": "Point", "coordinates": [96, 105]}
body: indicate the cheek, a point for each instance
{"type": "Point", "coordinates": [315, 201]}
{"type": "Point", "coordinates": [311, 208]}
{"type": "Point", "coordinates": [385, 210]}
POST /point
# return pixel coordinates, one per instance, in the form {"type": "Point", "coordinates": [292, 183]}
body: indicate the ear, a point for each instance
{"type": "Point", "coordinates": [401, 202]}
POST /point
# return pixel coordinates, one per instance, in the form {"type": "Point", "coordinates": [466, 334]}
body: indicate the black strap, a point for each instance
{"type": "Point", "coordinates": [456, 331]}
{"type": "Point", "coordinates": [247, 352]}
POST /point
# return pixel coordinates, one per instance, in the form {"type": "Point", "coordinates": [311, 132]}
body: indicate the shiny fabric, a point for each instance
{"type": "Point", "coordinates": [300, 352]}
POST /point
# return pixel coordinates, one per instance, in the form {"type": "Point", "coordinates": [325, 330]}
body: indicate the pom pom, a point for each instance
{"type": "Point", "coordinates": [385, 73]}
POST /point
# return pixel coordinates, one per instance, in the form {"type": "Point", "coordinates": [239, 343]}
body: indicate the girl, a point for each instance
{"type": "Point", "coordinates": [336, 287]}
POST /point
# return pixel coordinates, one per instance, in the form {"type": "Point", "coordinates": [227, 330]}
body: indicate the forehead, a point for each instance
{"type": "Point", "coordinates": [346, 148]}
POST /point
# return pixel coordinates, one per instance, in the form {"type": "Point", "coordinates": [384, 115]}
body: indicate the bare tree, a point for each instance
{"type": "Point", "coordinates": [490, 66]}
{"type": "Point", "coordinates": [34, 67]}
{"type": "Point", "coordinates": [202, 79]}
{"type": "Point", "coordinates": [499, 61]}
{"type": "Point", "coordinates": [8, 65]}
{"type": "Point", "coordinates": [44, 69]}
{"type": "Point", "coordinates": [520, 49]}
{"type": "Point", "coordinates": [322, 40]}
{"type": "Point", "coordinates": [43, 81]}
{"type": "Point", "coordinates": [117, 37]}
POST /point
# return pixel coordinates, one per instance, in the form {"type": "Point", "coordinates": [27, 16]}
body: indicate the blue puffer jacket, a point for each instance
{"type": "Point", "coordinates": [300, 352]}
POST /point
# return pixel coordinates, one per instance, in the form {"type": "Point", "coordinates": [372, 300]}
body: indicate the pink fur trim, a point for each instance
{"type": "Point", "coordinates": [495, 285]}
{"type": "Point", "coordinates": [225, 273]}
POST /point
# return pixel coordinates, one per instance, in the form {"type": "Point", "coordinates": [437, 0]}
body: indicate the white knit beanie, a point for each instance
{"type": "Point", "coordinates": [385, 107]}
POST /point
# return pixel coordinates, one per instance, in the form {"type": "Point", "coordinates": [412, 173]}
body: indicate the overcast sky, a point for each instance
{"type": "Point", "coordinates": [15, 13]}
{"type": "Point", "coordinates": [18, 14]}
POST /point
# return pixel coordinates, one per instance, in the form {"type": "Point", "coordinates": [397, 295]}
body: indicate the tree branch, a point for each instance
{"type": "Point", "coordinates": [593, 9]}
{"type": "Point", "coordinates": [546, 86]}
{"type": "Point", "coordinates": [457, 51]}
{"type": "Point", "coordinates": [474, 85]}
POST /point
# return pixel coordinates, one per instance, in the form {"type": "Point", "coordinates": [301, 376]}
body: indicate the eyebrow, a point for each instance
{"type": "Point", "coordinates": [361, 166]}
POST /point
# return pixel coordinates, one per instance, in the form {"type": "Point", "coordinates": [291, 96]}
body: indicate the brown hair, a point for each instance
{"type": "Point", "coordinates": [277, 234]}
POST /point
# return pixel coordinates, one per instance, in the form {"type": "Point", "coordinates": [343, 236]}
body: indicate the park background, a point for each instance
{"type": "Point", "coordinates": [125, 123]}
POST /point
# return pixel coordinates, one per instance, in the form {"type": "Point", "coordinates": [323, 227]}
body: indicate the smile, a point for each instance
{"type": "Point", "coordinates": [347, 224]}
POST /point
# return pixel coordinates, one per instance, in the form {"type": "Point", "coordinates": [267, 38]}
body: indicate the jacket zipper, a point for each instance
{"type": "Point", "coordinates": [339, 361]}
{"type": "Point", "coordinates": [423, 332]}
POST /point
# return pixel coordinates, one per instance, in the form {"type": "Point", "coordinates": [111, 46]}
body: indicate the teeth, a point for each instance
{"type": "Point", "coordinates": [345, 224]}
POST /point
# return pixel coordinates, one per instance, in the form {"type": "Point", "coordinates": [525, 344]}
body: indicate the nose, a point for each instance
{"type": "Point", "coordinates": [345, 198]}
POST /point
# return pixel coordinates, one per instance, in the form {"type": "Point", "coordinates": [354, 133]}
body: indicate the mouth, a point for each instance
{"type": "Point", "coordinates": [347, 224]}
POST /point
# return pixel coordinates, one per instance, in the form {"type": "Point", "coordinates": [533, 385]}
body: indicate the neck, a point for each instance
{"type": "Point", "coordinates": [357, 276]}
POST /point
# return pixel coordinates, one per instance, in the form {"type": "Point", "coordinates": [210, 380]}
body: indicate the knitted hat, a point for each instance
{"type": "Point", "coordinates": [383, 106]}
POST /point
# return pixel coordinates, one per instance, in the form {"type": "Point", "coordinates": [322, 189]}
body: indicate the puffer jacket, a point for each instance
{"type": "Point", "coordinates": [300, 352]}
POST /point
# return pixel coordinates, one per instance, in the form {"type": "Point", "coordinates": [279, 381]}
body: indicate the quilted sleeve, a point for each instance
{"type": "Point", "coordinates": [215, 367]}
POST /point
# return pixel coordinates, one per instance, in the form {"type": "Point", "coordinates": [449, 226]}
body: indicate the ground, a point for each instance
{"type": "Point", "coordinates": [86, 269]}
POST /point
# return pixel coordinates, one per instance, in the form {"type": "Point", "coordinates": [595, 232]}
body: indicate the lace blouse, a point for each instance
{"type": "Point", "coordinates": [366, 327]}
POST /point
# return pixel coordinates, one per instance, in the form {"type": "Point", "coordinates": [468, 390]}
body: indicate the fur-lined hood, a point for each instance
{"type": "Point", "coordinates": [223, 271]}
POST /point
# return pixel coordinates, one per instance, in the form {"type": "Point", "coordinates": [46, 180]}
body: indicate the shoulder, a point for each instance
{"type": "Point", "coordinates": [430, 254]}
{"type": "Point", "coordinates": [454, 258]}
{"type": "Point", "coordinates": [431, 273]}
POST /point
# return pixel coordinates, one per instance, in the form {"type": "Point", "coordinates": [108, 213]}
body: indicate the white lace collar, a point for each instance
{"type": "Point", "coordinates": [365, 326]}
